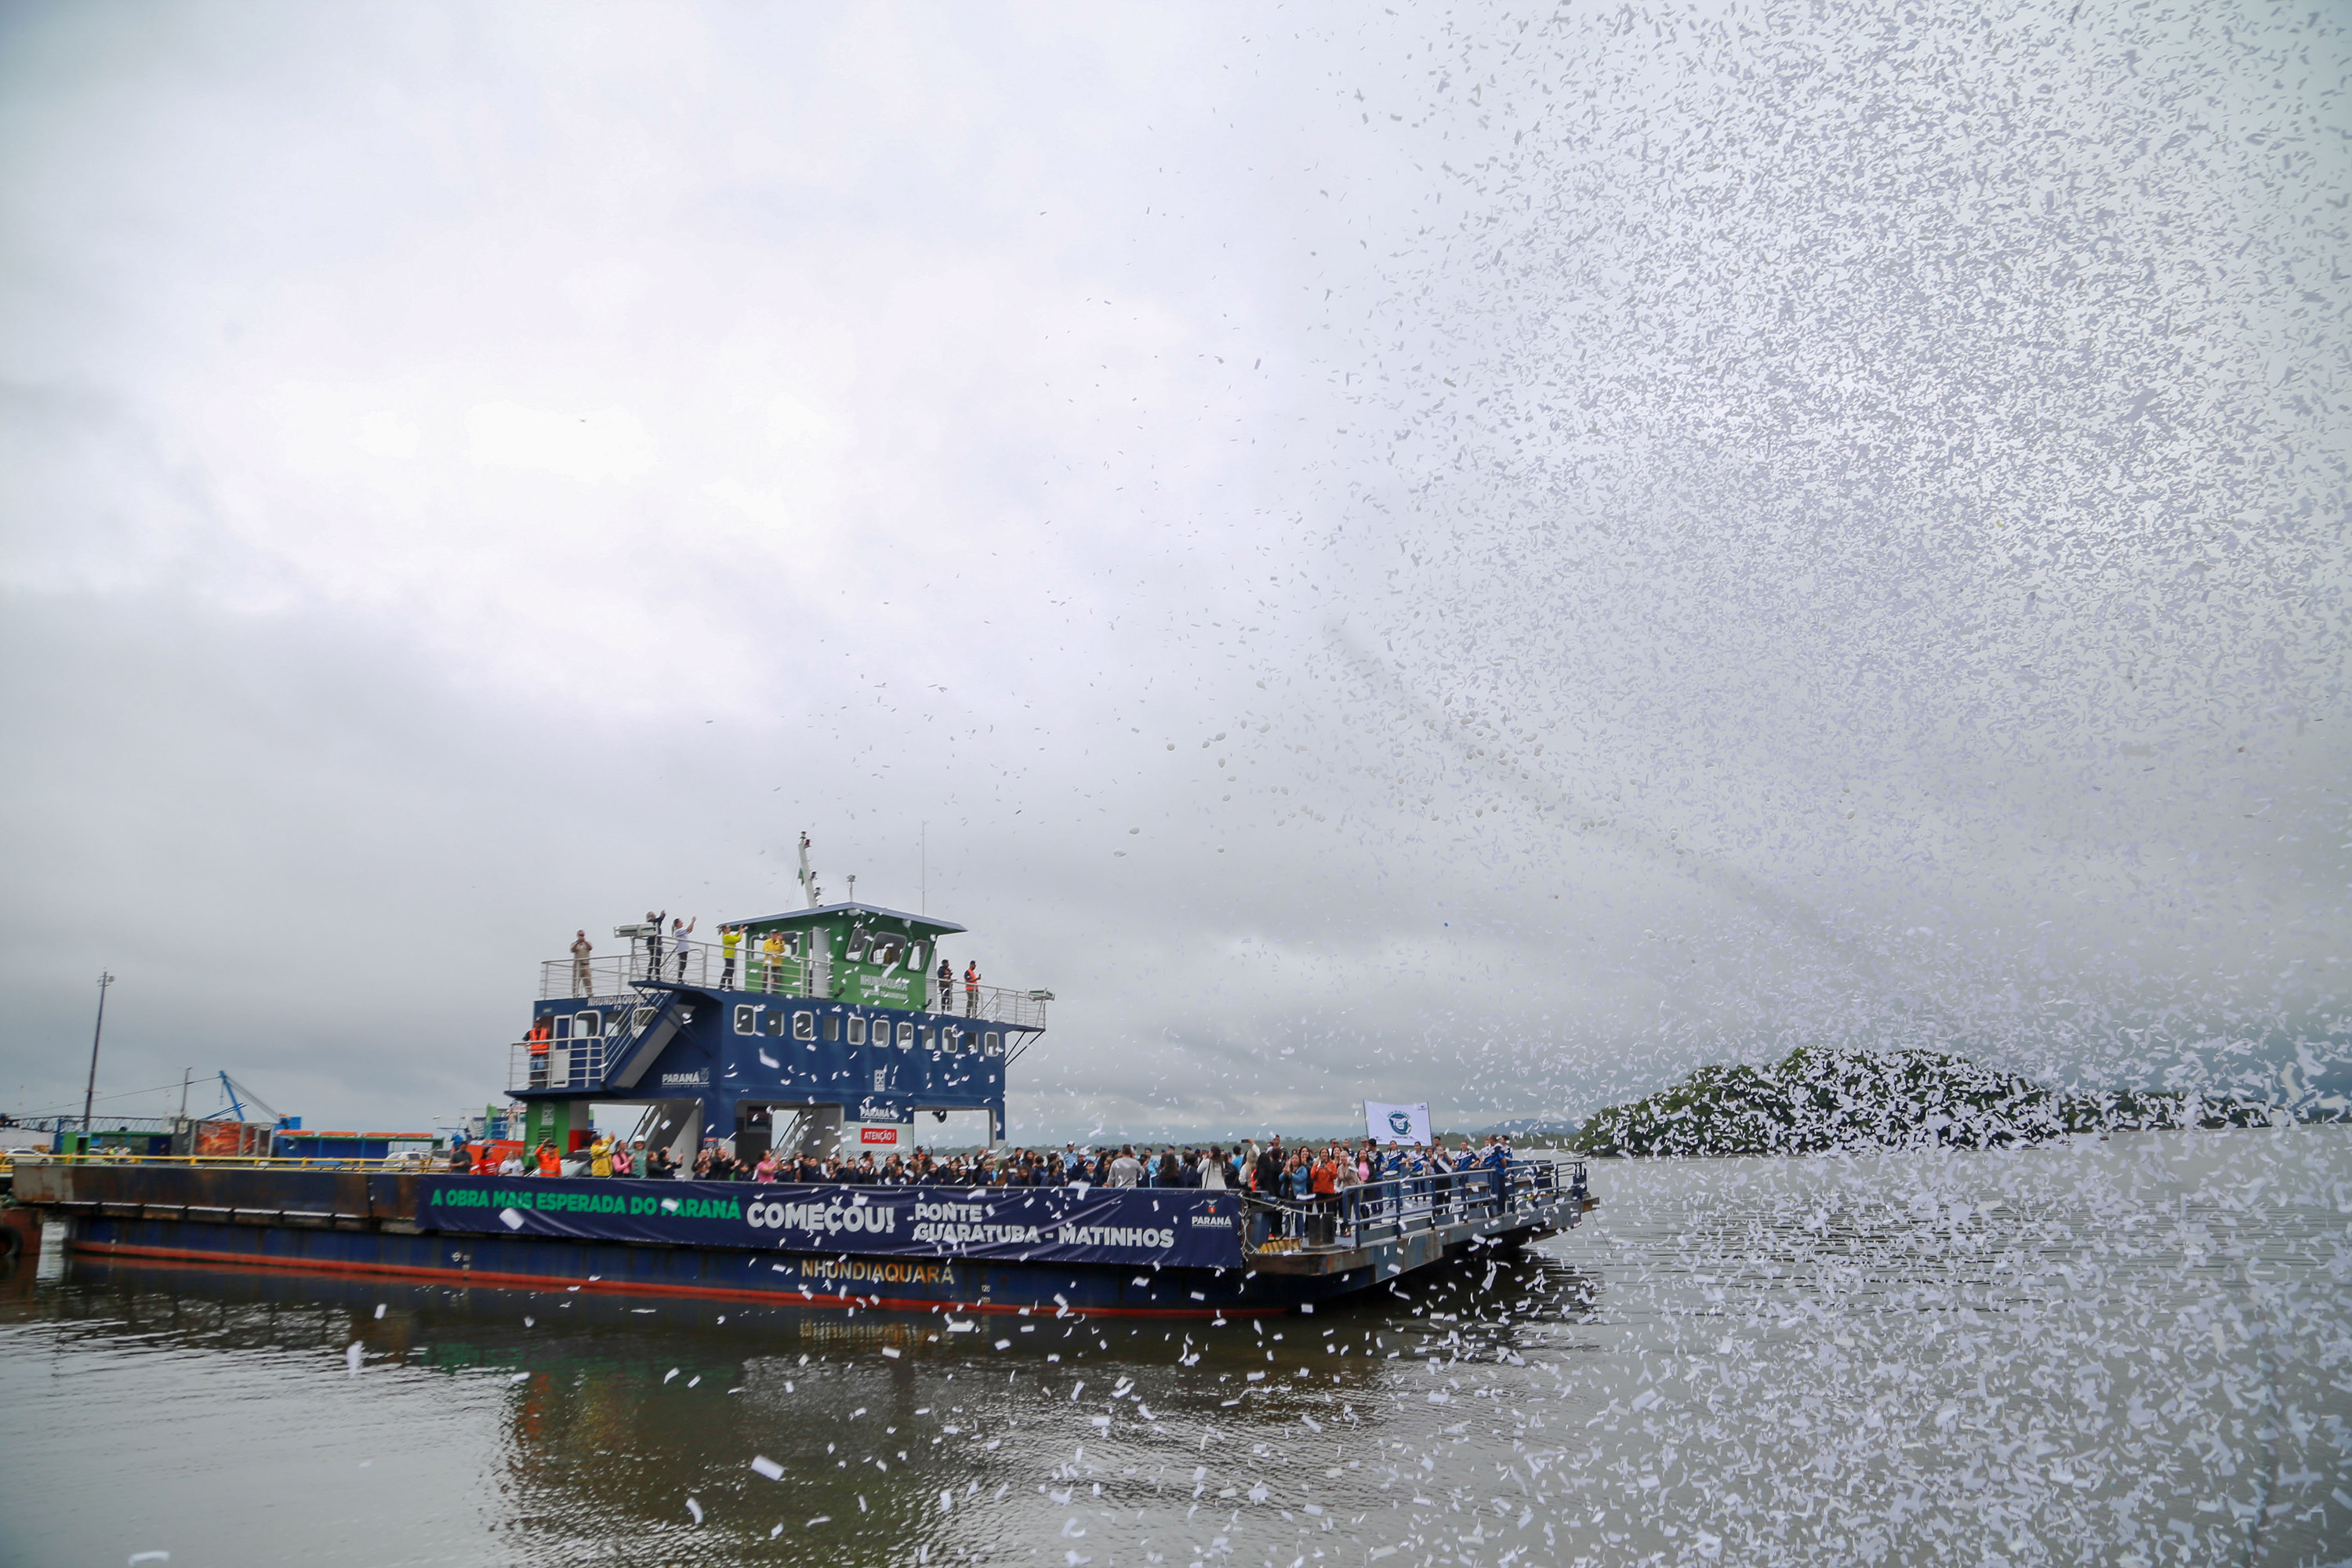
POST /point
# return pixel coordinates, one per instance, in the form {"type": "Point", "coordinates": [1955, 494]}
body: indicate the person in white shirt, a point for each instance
{"type": "Point", "coordinates": [511, 1166]}
{"type": "Point", "coordinates": [1213, 1172]}
{"type": "Point", "coordinates": [1126, 1171]}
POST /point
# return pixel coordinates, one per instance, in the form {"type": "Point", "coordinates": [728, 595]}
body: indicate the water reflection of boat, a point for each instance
{"type": "Point", "coordinates": [820, 1021]}
{"type": "Point", "coordinates": [605, 1414]}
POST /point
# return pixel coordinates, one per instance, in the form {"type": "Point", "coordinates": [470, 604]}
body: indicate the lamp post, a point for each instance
{"type": "Point", "coordinates": [90, 1092]}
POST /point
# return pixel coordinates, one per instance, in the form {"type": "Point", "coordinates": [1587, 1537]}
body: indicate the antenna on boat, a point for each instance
{"type": "Point", "coordinates": [809, 889]}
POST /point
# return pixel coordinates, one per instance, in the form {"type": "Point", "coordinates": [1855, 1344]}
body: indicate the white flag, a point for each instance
{"type": "Point", "coordinates": [1396, 1124]}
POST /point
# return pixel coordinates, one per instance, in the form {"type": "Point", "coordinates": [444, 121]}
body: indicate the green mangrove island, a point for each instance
{"type": "Point", "coordinates": [1816, 1101]}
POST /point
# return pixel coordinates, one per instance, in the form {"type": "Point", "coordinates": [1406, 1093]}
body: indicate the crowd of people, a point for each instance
{"type": "Point", "coordinates": [604, 1156]}
{"type": "Point", "coordinates": [1300, 1173]}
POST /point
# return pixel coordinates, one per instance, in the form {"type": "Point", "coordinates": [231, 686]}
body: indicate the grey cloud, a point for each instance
{"type": "Point", "coordinates": [1807, 544]}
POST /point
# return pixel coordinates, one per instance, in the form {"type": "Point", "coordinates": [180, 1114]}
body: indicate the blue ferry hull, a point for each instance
{"type": "Point", "coordinates": [895, 1284]}
{"type": "Point", "coordinates": [1073, 1255]}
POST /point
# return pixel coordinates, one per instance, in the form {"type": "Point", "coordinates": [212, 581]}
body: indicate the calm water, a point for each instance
{"type": "Point", "coordinates": [2131, 1351]}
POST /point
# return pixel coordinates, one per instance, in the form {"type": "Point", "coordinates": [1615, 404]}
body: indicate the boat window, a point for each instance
{"type": "Point", "coordinates": [995, 1044]}
{"type": "Point", "coordinates": [592, 1022]}
{"type": "Point", "coordinates": [906, 1036]}
{"type": "Point", "coordinates": [857, 947]}
{"type": "Point", "coordinates": [857, 1031]}
{"type": "Point", "coordinates": [833, 1026]}
{"type": "Point", "coordinates": [930, 1038]}
{"type": "Point", "coordinates": [804, 1026]}
{"type": "Point", "coordinates": [886, 950]}
{"type": "Point", "coordinates": [747, 1020]}
{"type": "Point", "coordinates": [773, 1023]}
{"type": "Point", "coordinates": [915, 956]}
{"type": "Point", "coordinates": [641, 1017]}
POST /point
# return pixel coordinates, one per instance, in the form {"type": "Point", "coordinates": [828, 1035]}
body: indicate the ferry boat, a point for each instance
{"type": "Point", "coordinates": [816, 1031]}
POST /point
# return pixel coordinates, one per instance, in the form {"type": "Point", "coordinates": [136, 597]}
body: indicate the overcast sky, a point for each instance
{"type": "Point", "coordinates": [1485, 555]}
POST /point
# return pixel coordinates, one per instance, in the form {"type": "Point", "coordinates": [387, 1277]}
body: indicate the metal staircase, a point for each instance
{"type": "Point", "coordinates": [615, 1059]}
{"type": "Point", "coordinates": [629, 1051]}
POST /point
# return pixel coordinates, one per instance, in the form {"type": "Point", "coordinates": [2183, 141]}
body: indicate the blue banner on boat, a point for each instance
{"type": "Point", "coordinates": [1174, 1227]}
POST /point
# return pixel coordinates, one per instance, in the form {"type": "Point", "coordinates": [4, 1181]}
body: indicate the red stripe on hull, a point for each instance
{"type": "Point", "coordinates": [546, 1284]}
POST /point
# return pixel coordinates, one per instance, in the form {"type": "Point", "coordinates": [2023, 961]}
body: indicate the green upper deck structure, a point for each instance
{"type": "Point", "coordinates": [858, 953]}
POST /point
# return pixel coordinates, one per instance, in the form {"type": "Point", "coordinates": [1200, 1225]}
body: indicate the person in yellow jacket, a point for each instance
{"type": "Point", "coordinates": [600, 1156]}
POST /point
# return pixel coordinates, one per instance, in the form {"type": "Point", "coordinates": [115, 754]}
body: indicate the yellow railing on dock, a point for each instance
{"type": "Point", "coordinates": [398, 1162]}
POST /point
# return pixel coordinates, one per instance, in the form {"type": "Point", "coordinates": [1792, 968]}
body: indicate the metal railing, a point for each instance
{"type": "Point", "coordinates": [998, 1004]}
{"type": "Point", "coordinates": [1398, 1206]}
{"type": "Point", "coordinates": [614, 976]}
{"type": "Point", "coordinates": [414, 1160]}
{"type": "Point", "coordinates": [575, 1064]}
{"type": "Point", "coordinates": [682, 963]}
